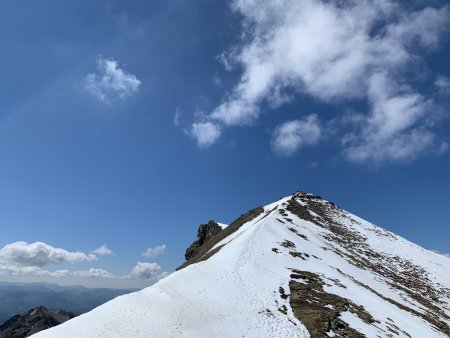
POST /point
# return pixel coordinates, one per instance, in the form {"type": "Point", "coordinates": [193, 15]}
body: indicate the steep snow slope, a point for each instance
{"type": "Point", "coordinates": [302, 267]}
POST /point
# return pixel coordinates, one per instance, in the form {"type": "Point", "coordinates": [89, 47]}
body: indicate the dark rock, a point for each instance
{"type": "Point", "coordinates": [204, 233]}
{"type": "Point", "coordinates": [287, 244]}
{"type": "Point", "coordinates": [33, 321]}
{"type": "Point", "coordinates": [310, 303]}
{"type": "Point", "coordinates": [202, 251]}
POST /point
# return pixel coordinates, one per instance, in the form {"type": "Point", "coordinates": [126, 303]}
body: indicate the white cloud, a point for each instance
{"type": "Point", "coordinates": [111, 83]}
{"type": "Point", "coordinates": [23, 265]}
{"type": "Point", "coordinates": [40, 254]}
{"type": "Point", "coordinates": [394, 129]}
{"type": "Point", "coordinates": [144, 270]}
{"type": "Point", "coordinates": [443, 85]}
{"type": "Point", "coordinates": [291, 135]}
{"type": "Point", "coordinates": [336, 51]}
{"type": "Point", "coordinates": [92, 273]}
{"type": "Point", "coordinates": [206, 133]}
{"type": "Point", "coordinates": [12, 270]}
{"type": "Point", "coordinates": [156, 251]}
{"type": "Point", "coordinates": [103, 251]}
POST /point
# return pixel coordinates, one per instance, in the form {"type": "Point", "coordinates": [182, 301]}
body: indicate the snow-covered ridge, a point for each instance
{"type": "Point", "coordinates": [298, 267]}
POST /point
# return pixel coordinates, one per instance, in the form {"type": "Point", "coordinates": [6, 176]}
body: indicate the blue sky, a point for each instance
{"type": "Point", "coordinates": [127, 124]}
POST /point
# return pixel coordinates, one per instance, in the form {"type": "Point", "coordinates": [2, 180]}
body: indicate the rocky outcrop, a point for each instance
{"type": "Point", "coordinates": [201, 250]}
{"type": "Point", "coordinates": [33, 321]}
{"type": "Point", "coordinates": [204, 233]}
{"type": "Point", "coordinates": [319, 310]}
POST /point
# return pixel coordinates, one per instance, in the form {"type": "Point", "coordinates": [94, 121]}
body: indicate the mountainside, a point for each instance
{"type": "Point", "coordinates": [30, 322]}
{"type": "Point", "coordinates": [299, 267]}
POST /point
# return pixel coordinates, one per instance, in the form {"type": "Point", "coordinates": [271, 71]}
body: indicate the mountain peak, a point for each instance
{"type": "Point", "coordinates": [32, 321]}
{"type": "Point", "coordinates": [298, 267]}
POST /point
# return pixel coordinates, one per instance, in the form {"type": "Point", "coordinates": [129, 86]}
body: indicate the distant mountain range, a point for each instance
{"type": "Point", "coordinates": [299, 267]}
{"type": "Point", "coordinates": [17, 298]}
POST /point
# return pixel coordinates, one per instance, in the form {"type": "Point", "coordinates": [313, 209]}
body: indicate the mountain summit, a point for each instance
{"type": "Point", "coordinates": [299, 267]}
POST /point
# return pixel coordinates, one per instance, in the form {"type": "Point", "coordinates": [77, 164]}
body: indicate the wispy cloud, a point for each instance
{"type": "Point", "coordinates": [40, 254]}
{"type": "Point", "coordinates": [396, 128]}
{"type": "Point", "coordinates": [90, 273]}
{"type": "Point", "coordinates": [292, 135]}
{"type": "Point", "coordinates": [177, 117]}
{"type": "Point", "coordinates": [103, 251]}
{"type": "Point", "coordinates": [12, 270]}
{"type": "Point", "coordinates": [336, 52]}
{"type": "Point", "coordinates": [156, 251]}
{"type": "Point", "coordinates": [111, 82]}
{"type": "Point", "coordinates": [442, 83]}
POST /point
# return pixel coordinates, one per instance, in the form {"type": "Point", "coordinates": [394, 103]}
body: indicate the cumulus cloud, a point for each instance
{"type": "Point", "coordinates": [291, 135]}
{"type": "Point", "coordinates": [22, 261]}
{"type": "Point", "coordinates": [40, 254]}
{"type": "Point", "coordinates": [111, 82]}
{"type": "Point", "coordinates": [13, 270]}
{"type": "Point", "coordinates": [143, 274]}
{"type": "Point", "coordinates": [103, 251]}
{"type": "Point", "coordinates": [206, 133]}
{"type": "Point", "coordinates": [336, 51]}
{"type": "Point", "coordinates": [144, 270]}
{"type": "Point", "coordinates": [156, 251]}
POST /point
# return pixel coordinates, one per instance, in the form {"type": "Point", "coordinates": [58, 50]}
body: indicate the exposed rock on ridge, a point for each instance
{"type": "Point", "coordinates": [403, 275]}
{"type": "Point", "coordinates": [204, 233]}
{"type": "Point", "coordinates": [318, 310]}
{"type": "Point", "coordinates": [33, 321]}
{"type": "Point", "coordinates": [210, 235]}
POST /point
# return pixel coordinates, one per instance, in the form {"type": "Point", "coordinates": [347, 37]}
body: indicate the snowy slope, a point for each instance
{"type": "Point", "coordinates": [303, 267]}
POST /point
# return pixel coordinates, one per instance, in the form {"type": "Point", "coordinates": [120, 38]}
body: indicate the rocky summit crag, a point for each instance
{"type": "Point", "coordinates": [298, 267]}
{"type": "Point", "coordinates": [30, 322]}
